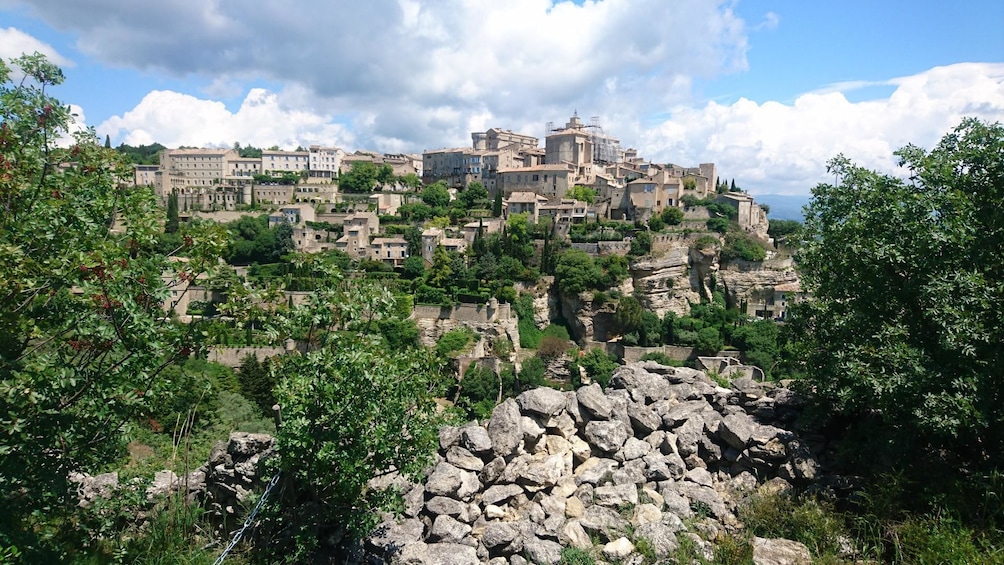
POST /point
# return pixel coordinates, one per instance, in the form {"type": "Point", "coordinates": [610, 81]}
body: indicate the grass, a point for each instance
{"type": "Point", "coordinates": [876, 528]}
{"type": "Point", "coordinates": [576, 556]}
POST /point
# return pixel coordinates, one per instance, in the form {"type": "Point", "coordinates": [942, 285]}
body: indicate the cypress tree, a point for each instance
{"type": "Point", "coordinates": [172, 214]}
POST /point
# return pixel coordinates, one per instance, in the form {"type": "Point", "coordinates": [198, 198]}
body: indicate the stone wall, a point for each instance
{"type": "Point", "coordinates": [663, 454]}
{"type": "Point", "coordinates": [675, 352]}
{"type": "Point", "coordinates": [233, 356]}
{"type": "Point", "coordinates": [476, 313]}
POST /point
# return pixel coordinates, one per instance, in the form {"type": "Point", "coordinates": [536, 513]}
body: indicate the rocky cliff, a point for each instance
{"type": "Point", "coordinates": [754, 282]}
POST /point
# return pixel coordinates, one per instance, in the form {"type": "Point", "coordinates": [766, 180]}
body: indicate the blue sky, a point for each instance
{"type": "Point", "coordinates": [768, 90]}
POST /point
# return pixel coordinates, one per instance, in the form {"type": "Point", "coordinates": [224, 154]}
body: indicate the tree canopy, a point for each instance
{"type": "Point", "coordinates": [908, 283]}
{"type": "Point", "coordinates": [83, 337]}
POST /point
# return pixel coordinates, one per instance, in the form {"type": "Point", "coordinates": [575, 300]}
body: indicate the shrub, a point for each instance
{"type": "Point", "coordinates": [454, 341]}
{"type": "Point", "coordinates": [743, 246]}
{"type": "Point", "coordinates": [532, 373]}
{"type": "Point", "coordinates": [707, 242]}
{"type": "Point", "coordinates": [720, 225]}
{"type": "Point", "coordinates": [552, 347]}
{"type": "Point", "coordinates": [598, 364]}
{"type": "Point", "coordinates": [807, 520]}
{"type": "Point", "coordinates": [672, 216]}
{"type": "Point", "coordinates": [558, 331]}
{"type": "Point", "coordinates": [576, 556]}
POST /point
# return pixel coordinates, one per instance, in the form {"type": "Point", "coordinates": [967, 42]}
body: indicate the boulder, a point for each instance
{"type": "Point", "coordinates": [616, 495]}
{"type": "Point", "coordinates": [504, 429]}
{"type": "Point", "coordinates": [542, 401]}
{"type": "Point", "coordinates": [498, 535]}
{"type": "Point", "coordinates": [500, 493]}
{"type": "Point", "coordinates": [476, 439]}
{"type": "Point", "coordinates": [463, 459]}
{"type": "Point", "coordinates": [447, 480]}
{"type": "Point", "coordinates": [449, 530]}
{"type": "Point", "coordinates": [390, 538]}
{"type": "Point", "coordinates": [660, 536]}
{"type": "Point", "coordinates": [542, 552]}
{"type": "Point", "coordinates": [618, 549]}
{"type": "Point", "coordinates": [607, 436]}
{"type": "Point", "coordinates": [736, 430]}
{"type": "Point", "coordinates": [780, 552]}
{"type": "Point", "coordinates": [592, 399]}
{"type": "Point", "coordinates": [420, 553]}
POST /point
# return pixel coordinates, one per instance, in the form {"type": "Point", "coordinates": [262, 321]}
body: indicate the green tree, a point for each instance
{"type": "Point", "coordinates": [171, 226]}
{"type": "Point", "coordinates": [436, 195]}
{"type": "Point", "coordinates": [709, 341]}
{"type": "Point", "coordinates": [720, 225]}
{"type": "Point", "coordinates": [257, 383]}
{"type": "Point", "coordinates": [518, 242]}
{"type": "Point", "coordinates": [907, 284]}
{"type": "Point", "coordinates": [584, 193]}
{"type": "Point", "coordinates": [83, 339]}
{"type": "Point", "coordinates": [672, 215]}
{"type": "Point", "coordinates": [629, 315]}
{"type": "Point", "coordinates": [599, 366]}
{"type": "Point", "coordinates": [474, 194]}
{"type": "Point", "coordinates": [351, 410]}
{"type": "Point", "coordinates": [108, 142]}
{"type": "Point", "coordinates": [385, 174]}
{"type": "Point", "coordinates": [576, 272]}
{"type": "Point", "coordinates": [759, 343]}
{"type": "Point", "coordinates": [362, 177]}
{"type": "Point", "coordinates": [497, 204]}
{"type": "Point", "coordinates": [641, 243]}
{"type": "Point", "coordinates": [785, 231]}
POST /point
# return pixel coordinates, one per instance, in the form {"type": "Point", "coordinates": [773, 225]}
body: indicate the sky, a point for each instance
{"type": "Point", "coordinates": [769, 90]}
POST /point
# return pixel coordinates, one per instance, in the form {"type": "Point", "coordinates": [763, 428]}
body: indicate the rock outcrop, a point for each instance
{"type": "Point", "coordinates": [754, 282]}
{"type": "Point", "coordinates": [552, 469]}
{"type": "Point", "coordinates": [667, 283]}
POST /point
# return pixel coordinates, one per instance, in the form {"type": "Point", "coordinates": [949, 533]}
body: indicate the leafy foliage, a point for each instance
{"type": "Point", "coordinates": [740, 245]}
{"type": "Point", "coordinates": [599, 366]}
{"type": "Point", "coordinates": [586, 194]}
{"type": "Point", "coordinates": [351, 411]}
{"type": "Point", "coordinates": [83, 340]}
{"type": "Point", "coordinates": [907, 283]}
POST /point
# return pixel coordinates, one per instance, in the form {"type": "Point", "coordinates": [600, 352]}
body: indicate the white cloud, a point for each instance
{"type": "Point", "coordinates": [14, 43]}
{"type": "Point", "coordinates": [783, 148]}
{"type": "Point", "coordinates": [406, 75]}
{"type": "Point", "coordinates": [403, 65]}
{"type": "Point", "coordinates": [174, 119]}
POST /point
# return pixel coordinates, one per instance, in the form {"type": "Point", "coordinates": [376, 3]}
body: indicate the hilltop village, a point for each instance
{"type": "Point", "coordinates": [666, 235]}
{"type": "Point", "coordinates": [564, 354]}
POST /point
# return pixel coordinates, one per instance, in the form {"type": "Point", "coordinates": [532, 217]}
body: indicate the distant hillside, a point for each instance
{"type": "Point", "coordinates": [783, 207]}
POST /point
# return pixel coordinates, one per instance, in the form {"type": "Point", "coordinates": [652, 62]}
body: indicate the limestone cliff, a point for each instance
{"type": "Point", "coordinates": [667, 283]}
{"type": "Point", "coordinates": [754, 282]}
{"type": "Point", "coordinates": [490, 321]}
{"type": "Point", "coordinates": [587, 320]}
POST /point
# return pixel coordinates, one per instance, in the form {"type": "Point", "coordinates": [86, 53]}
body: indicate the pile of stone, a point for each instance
{"type": "Point", "coordinates": [663, 453]}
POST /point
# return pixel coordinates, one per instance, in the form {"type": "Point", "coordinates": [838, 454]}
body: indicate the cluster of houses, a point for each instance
{"type": "Point", "coordinates": [535, 179]}
{"type": "Point", "coordinates": [542, 182]}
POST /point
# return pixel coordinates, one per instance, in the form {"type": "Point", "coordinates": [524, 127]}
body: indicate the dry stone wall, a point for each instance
{"type": "Point", "coordinates": [663, 453]}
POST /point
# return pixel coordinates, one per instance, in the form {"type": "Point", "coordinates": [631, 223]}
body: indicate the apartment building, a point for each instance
{"type": "Point", "coordinates": [324, 163]}
{"type": "Point", "coordinates": [276, 162]}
